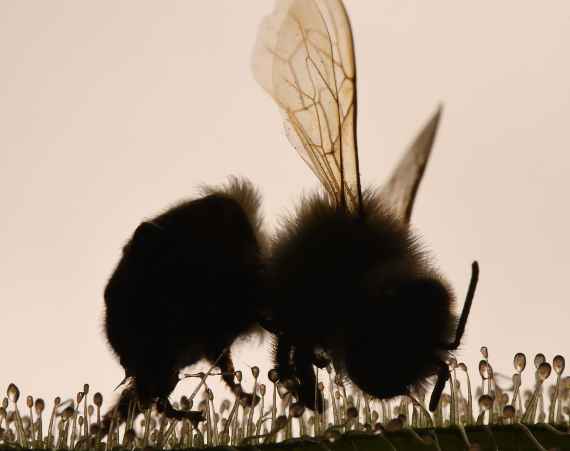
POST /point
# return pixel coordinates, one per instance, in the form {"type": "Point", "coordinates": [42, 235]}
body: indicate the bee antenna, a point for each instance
{"type": "Point", "coordinates": [442, 377]}
{"type": "Point", "coordinates": [123, 382]}
{"type": "Point", "coordinates": [466, 307]}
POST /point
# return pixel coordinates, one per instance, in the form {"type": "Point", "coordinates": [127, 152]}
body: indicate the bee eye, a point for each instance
{"type": "Point", "coordinates": [147, 232]}
{"type": "Point", "coordinates": [147, 238]}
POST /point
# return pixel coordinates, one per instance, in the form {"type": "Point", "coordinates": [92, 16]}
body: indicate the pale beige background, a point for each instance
{"type": "Point", "coordinates": [110, 111]}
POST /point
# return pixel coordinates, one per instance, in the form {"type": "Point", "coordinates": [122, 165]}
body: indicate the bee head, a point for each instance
{"type": "Point", "coordinates": [412, 316]}
{"type": "Point", "coordinates": [152, 382]}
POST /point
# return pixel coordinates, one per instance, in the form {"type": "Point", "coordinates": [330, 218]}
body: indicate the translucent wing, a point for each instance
{"type": "Point", "coordinates": [402, 186]}
{"type": "Point", "coordinates": [304, 59]}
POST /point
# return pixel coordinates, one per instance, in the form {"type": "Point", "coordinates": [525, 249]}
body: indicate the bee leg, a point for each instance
{"type": "Point", "coordinates": [284, 363]}
{"type": "Point", "coordinates": [443, 372]}
{"type": "Point", "coordinates": [294, 365]}
{"type": "Point", "coordinates": [156, 383]}
{"type": "Point", "coordinates": [149, 382]}
{"type": "Point", "coordinates": [121, 408]}
{"type": "Point", "coordinates": [442, 378]}
{"type": "Point", "coordinates": [220, 356]}
{"type": "Point", "coordinates": [307, 392]}
{"type": "Point", "coordinates": [466, 308]}
{"type": "Point", "coordinates": [164, 406]}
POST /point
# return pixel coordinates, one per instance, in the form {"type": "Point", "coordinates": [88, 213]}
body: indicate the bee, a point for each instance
{"type": "Point", "coordinates": [197, 264]}
{"type": "Point", "coordinates": [345, 280]}
{"type": "Point", "coordinates": [350, 282]}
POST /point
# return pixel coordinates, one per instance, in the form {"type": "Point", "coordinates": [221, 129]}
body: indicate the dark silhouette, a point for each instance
{"type": "Point", "coordinates": [345, 280]}
{"type": "Point", "coordinates": [188, 284]}
{"type": "Point", "coordinates": [348, 276]}
{"type": "Point", "coordinates": [359, 288]}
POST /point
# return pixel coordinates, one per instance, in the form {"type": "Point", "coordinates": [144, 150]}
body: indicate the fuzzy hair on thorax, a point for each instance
{"type": "Point", "coordinates": [363, 288]}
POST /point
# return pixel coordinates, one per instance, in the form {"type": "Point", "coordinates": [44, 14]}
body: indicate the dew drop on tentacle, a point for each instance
{"type": "Point", "coordinates": [98, 399]}
{"type": "Point", "coordinates": [13, 393]}
{"type": "Point", "coordinates": [544, 371]}
{"type": "Point", "coordinates": [296, 410]}
{"type": "Point", "coordinates": [484, 369]}
{"type": "Point", "coordinates": [39, 406]}
{"type": "Point", "coordinates": [519, 362]}
{"type": "Point", "coordinates": [539, 359]}
{"type": "Point", "coordinates": [486, 402]}
{"type": "Point", "coordinates": [352, 412]}
{"type": "Point", "coordinates": [273, 375]}
{"type": "Point", "coordinates": [558, 364]}
{"type": "Point", "coordinates": [509, 412]}
{"type": "Point", "coordinates": [516, 380]}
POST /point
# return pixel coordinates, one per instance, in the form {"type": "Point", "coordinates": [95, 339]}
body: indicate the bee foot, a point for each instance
{"type": "Point", "coordinates": [312, 400]}
{"type": "Point", "coordinates": [195, 416]}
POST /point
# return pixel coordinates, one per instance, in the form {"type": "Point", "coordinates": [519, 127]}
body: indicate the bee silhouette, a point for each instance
{"type": "Point", "coordinates": [343, 281]}
{"type": "Point", "coordinates": [351, 283]}
{"type": "Point", "coordinates": [189, 283]}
